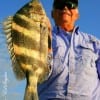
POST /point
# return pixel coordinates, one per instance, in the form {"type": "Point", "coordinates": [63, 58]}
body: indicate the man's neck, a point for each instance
{"type": "Point", "coordinates": [68, 28]}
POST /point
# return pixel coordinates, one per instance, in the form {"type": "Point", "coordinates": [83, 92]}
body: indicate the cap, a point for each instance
{"type": "Point", "coordinates": [60, 4]}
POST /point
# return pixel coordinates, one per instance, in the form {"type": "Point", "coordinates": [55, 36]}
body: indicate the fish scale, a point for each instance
{"type": "Point", "coordinates": [29, 43]}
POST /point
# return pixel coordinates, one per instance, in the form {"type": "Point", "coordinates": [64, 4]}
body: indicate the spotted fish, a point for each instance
{"type": "Point", "coordinates": [29, 43]}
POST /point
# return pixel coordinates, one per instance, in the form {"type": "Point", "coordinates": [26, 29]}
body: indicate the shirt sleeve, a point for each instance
{"type": "Point", "coordinates": [96, 44]}
{"type": "Point", "coordinates": [98, 66]}
{"type": "Point", "coordinates": [98, 60]}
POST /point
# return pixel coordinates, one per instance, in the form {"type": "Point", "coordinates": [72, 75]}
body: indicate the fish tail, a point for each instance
{"type": "Point", "coordinates": [29, 95]}
{"type": "Point", "coordinates": [31, 92]}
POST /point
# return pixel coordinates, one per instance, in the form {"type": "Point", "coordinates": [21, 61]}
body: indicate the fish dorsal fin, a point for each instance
{"type": "Point", "coordinates": [7, 27]}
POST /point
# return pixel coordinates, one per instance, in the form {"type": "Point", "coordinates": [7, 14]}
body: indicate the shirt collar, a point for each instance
{"type": "Point", "coordinates": [57, 29]}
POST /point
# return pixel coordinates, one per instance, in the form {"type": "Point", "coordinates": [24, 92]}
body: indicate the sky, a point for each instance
{"type": "Point", "coordinates": [89, 22]}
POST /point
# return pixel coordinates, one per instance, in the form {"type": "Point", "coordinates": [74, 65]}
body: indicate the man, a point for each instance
{"type": "Point", "coordinates": [75, 69]}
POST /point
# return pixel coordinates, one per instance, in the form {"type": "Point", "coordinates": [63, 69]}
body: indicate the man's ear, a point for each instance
{"type": "Point", "coordinates": [76, 14]}
{"type": "Point", "coordinates": [52, 13]}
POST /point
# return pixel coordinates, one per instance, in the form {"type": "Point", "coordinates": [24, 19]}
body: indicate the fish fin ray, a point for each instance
{"type": "Point", "coordinates": [7, 27]}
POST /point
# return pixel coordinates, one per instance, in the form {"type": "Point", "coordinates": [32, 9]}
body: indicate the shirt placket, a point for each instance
{"type": "Point", "coordinates": [71, 64]}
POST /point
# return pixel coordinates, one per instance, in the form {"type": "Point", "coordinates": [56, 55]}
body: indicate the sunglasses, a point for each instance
{"type": "Point", "coordinates": [69, 5]}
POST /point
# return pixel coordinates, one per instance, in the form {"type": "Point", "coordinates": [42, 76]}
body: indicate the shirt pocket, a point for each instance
{"type": "Point", "coordinates": [88, 51]}
{"type": "Point", "coordinates": [88, 58]}
{"type": "Point", "coordinates": [58, 58]}
{"type": "Point", "coordinates": [59, 51]}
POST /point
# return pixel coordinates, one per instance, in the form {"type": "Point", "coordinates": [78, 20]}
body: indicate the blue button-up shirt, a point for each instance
{"type": "Point", "coordinates": [75, 69]}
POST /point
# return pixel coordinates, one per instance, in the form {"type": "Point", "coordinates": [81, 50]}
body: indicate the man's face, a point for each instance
{"type": "Point", "coordinates": [65, 16]}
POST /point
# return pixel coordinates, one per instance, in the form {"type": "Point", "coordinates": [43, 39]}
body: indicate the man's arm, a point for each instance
{"type": "Point", "coordinates": [98, 66]}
